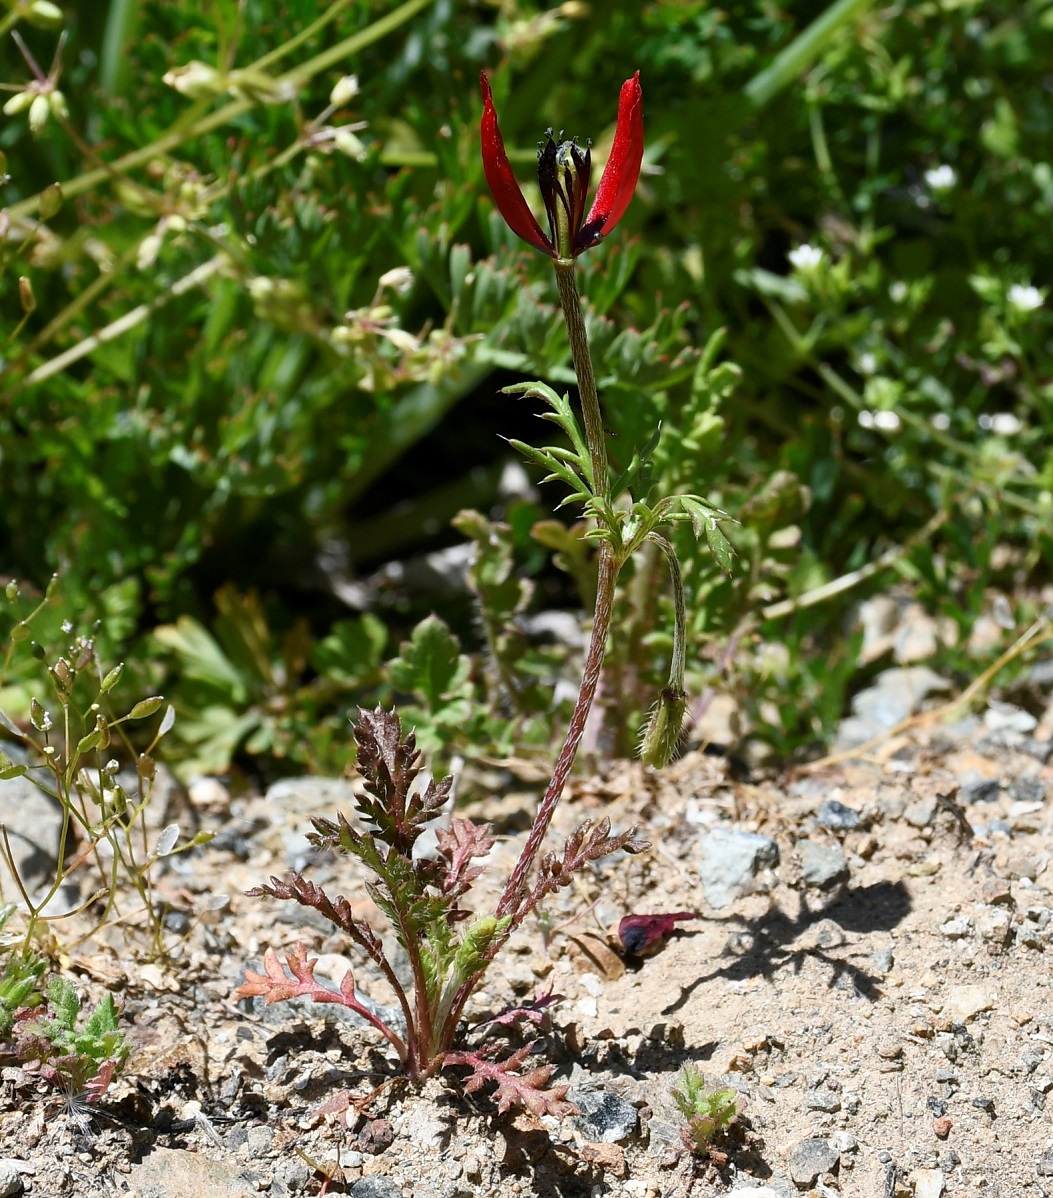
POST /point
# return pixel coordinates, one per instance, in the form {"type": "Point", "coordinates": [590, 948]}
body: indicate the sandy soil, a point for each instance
{"type": "Point", "coordinates": [889, 1031]}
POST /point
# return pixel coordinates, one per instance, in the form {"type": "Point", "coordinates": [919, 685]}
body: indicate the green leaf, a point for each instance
{"type": "Point", "coordinates": [430, 664]}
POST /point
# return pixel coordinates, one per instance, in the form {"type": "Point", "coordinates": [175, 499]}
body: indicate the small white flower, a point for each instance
{"type": "Point", "coordinates": [886, 421]}
{"type": "Point", "coordinates": [898, 291]}
{"type": "Point", "coordinates": [805, 257]}
{"type": "Point", "coordinates": [941, 178]}
{"type": "Point", "coordinates": [941, 421]}
{"type": "Point", "coordinates": [867, 363]}
{"type": "Point", "coordinates": [1025, 298]}
{"type": "Point", "coordinates": [1003, 424]}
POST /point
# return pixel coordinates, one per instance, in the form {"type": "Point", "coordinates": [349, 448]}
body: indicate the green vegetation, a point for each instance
{"type": "Point", "coordinates": [255, 341]}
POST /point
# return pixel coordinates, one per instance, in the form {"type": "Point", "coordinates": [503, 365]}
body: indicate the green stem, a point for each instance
{"type": "Point", "coordinates": [678, 661]}
{"type": "Point", "coordinates": [570, 302]}
{"type": "Point", "coordinates": [799, 55]}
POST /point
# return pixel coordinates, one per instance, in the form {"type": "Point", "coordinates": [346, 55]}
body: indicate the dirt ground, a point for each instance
{"type": "Point", "coordinates": [887, 1022]}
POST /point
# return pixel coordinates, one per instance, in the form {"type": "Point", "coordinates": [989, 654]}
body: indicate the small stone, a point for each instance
{"type": "Point", "coordinates": [375, 1187]}
{"type": "Point", "coordinates": [1006, 717]}
{"type": "Point", "coordinates": [823, 1100]}
{"type": "Point", "coordinates": [997, 890]}
{"type": "Point", "coordinates": [942, 1127]}
{"type": "Point", "coordinates": [883, 959]}
{"type": "Point", "coordinates": [837, 816]}
{"type": "Point", "coordinates": [810, 1158]}
{"type": "Point", "coordinates": [730, 858]}
{"type": "Point", "coordinates": [259, 1140]}
{"type": "Point", "coordinates": [889, 1050]}
{"type": "Point", "coordinates": [994, 925]}
{"type": "Point", "coordinates": [921, 812]}
{"type": "Point", "coordinates": [821, 865]}
{"type": "Point", "coordinates": [1044, 1168]}
{"type": "Point", "coordinates": [966, 1002]}
{"type": "Point", "coordinates": [948, 1045]}
{"type": "Point", "coordinates": [958, 928]}
{"type": "Point", "coordinates": [928, 1183]}
{"type": "Point", "coordinates": [1029, 789]}
{"type": "Point", "coordinates": [979, 790]}
{"type": "Point", "coordinates": [609, 1157]}
{"type": "Point", "coordinates": [984, 1103]}
{"type": "Point", "coordinates": [604, 1118]}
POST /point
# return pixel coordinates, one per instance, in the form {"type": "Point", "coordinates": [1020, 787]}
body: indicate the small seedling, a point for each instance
{"type": "Point", "coordinates": [80, 1061]}
{"type": "Point", "coordinates": [709, 1113]}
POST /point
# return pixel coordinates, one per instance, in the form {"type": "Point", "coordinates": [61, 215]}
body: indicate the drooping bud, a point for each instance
{"type": "Point", "coordinates": [196, 80]}
{"type": "Point", "coordinates": [39, 111]}
{"type": "Point", "coordinates": [662, 736]}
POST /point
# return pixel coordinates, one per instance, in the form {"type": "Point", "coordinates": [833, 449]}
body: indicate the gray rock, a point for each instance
{"type": "Point", "coordinates": [314, 794]}
{"type": "Point", "coordinates": [838, 817]}
{"type": "Point", "coordinates": [896, 694]}
{"type": "Point", "coordinates": [979, 790]}
{"type": "Point", "coordinates": [823, 1100]}
{"type": "Point", "coordinates": [375, 1187]}
{"type": "Point", "coordinates": [730, 858]}
{"type": "Point", "coordinates": [1029, 789]}
{"type": "Point", "coordinates": [10, 1179]}
{"type": "Point", "coordinates": [822, 865]}
{"type": "Point", "coordinates": [883, 960]}
{"type": "Point", "coordinates": [810, 1158]}
{"type": "Point", "coordinates": [604, 1118]}
{"type": "Point", "coordinates": [34, 826]}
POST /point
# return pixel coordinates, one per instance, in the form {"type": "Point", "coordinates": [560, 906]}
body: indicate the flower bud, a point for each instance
{"type": "Point", "coordinates": [196, 80]}
{"type": "Point", "coordinates": [39, 111]}
{"type": "Point", "coordinates": [59, 107]}
{"type": "Point", "coordinates": [344, 91]}
{"type": "Point", "coordinates": [661, 738]}
{"type": "Point", "coordinates": [348, 144]}
{"type": "Point", "coordinates": [44, 15]}
{"type": "Point", "coordinates": [50, 201]}
{"type": "Point", "coordinates": [25, 295]}
{"type": "Point", "coordinates": [18, 103]}
{"type": "Point", "coordinates": [250, 84]}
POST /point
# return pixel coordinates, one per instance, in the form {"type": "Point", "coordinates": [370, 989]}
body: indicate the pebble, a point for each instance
{"type": "Point", "coordinates": [1029, 789]}
{"type": "Point", "coordinates": [957, 928]}
{"type": "Point", "coordinates": [966, 1002]}
{"type": "Point", "coordinates": [942, 1127]}
{"type": "Point", "coordinates": [821, 865]}
{"type": "Point", "coordinates": [883, 959]}
{"type": "Point", "coordinates": [837, 816]}
{"type": "Point", "coordinates": [994, 925]}
{"type": "Point", "coordinates": [375, 1187]}
{"type": "Point", "coordinates": [730, 858]}
{"type": "Point", "coordinates": [928, 1183]}
{"type": "Point", "coordinates": [921, 812]}
{"type": "Point", "coordinates": [810, 1158]}
{"type": "Point", "coordinates": [823, 1100]}
{"type": "Point", "coordinates": [896, 694]}
{"type": "Point", "coordinates": [604, 1118]}
{"type": "Point", "coordinates": [979, 790]}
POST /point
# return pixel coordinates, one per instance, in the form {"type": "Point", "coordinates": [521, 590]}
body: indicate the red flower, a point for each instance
{"type": "Point", "coordinates": [563, 171]}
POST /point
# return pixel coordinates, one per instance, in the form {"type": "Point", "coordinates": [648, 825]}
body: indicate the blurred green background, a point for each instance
{"type": "Point", "coordinates": [255, 340]}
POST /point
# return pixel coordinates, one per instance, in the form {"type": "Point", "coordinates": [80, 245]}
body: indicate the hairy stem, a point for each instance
{"type": "Point", "coordinates": [608, 576]}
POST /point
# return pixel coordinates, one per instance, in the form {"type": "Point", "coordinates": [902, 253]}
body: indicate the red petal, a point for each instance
{"type": "Point", "coordinates": [623, 167]}
{"type": "Point", "coordinates": [507, 193]}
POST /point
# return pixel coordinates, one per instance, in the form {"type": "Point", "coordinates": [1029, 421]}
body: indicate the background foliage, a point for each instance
{"type": "Point", "coordinates": [253, 371]}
